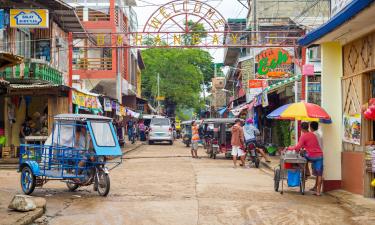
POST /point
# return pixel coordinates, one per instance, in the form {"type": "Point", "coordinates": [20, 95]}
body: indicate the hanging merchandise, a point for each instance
{"type": "Point", "coordinates": [369, 109]}
{"type": "Point", "coordinates": [117, 109]}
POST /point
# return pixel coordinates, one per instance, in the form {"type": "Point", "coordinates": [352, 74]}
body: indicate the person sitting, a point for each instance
{"type": "Point", "coordinates": [250, 133]}
{"type": "Point", "coordinates": [314, 154]}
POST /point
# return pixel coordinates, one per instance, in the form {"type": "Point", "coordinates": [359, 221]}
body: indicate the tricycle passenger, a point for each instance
{"type": "Point", "coordinates": [314, 153]}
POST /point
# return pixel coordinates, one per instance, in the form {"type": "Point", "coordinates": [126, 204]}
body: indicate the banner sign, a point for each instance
{"type": "Point", "coordinates": [352, 128]}
{"type": "Point", "coordinates": [107, 105]}
{"type": "Point", "coordinates": [274, 63]}
{"type": "Point", "coordinates": [118, 111]}
{"type": "Point", "coordinates": [29, 18]}
{"type": "Point", "coordinates": [255, 87]}
{"type": "Point", "coordinates": [85, 100]}
{"type": "Point", "coordinates": [308, 70]}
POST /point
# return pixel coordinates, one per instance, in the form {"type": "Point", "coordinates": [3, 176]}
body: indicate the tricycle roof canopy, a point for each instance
{"type": "Point", "coordinates": [81, 117]}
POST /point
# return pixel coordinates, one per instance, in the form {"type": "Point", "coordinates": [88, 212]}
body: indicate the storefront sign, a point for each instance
{"type": "Point", "coordinates": [352, 128]}
{"type": "Point", "coordinates": [255, 87]}
{"type": "Point", "coordinates": [29, 18]}
{"type": "Point", "coordinates": [308, 70]}
{"type": "Point", "coordinates": [85, 100]}
{"type": "Point", "coordinates": [274, 63]}
{"type": "Point", "coordinates": [107, 105]}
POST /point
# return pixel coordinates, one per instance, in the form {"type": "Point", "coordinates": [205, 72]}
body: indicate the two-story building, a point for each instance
{"type": "Point", "coordinates": [33, 39]}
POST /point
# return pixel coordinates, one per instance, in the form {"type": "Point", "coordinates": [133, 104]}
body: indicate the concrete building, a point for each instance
{"type": "Point", "coordinates": [114, 72]}
{"type": "Point", "coordinates": [347, 46]}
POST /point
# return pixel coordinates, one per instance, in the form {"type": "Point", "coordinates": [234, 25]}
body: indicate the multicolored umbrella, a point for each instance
{"type": "Point", "coordinates": [300, 111]}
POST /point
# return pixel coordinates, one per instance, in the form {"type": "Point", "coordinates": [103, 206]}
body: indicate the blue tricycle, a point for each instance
{"type": "Point", "coordinates": [78, 152]}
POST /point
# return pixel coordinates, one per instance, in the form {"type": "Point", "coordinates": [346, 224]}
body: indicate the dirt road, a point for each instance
{"type": "Point", "coordinates": [161, 184]}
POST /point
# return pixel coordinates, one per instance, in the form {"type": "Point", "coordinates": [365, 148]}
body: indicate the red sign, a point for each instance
{"type": "Point", "coordinates": [308, 70]}
{"type": "Point", "coordinates": [257, 83]}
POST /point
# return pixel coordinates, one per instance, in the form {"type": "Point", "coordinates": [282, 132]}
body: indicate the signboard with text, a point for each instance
{"type": "Point", "coordinates": [255, 87]}
{"type": "Point", "coordinates": [274, 63]}
{"type": "Point", "coordinates": [29, 18]}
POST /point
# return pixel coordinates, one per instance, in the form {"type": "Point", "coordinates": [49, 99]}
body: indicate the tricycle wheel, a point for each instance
{"type": "Point", "coordinates": [28, 180]}
{"type": "Point", "coordinates": [103, 184]}
{"type": "Point", "coordinates": [72, 186]}
{"type": "Point", "coordinates": [276, 179]}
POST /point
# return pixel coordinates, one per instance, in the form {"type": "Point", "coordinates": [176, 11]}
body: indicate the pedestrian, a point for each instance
{"type": "Point", "coordinates": [25, 130]}
{"type": "Point", "coordinates": [314, 154]}
{"type": "Point", "coordinates": [238, 143]}
{"type": "Point", "coordinates": [250, 133]}
{"type": "Point", "coordinates": [142, 130]}
{"type": "Point", "coordinates": [314, 127]}
{"type": "Point", "coordinates": [194, 139]}
{"type": "Point", "coordinates": [129, 127]}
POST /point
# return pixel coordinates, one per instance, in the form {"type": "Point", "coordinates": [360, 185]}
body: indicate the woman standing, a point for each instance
{"type": "Point", "coordinates": [194, 139]}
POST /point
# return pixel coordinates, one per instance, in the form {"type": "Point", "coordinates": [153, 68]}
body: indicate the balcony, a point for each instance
{"type": "Point", "coordinates": [92, 64]}
{"type": "Point", "coordinates": [32, 72]}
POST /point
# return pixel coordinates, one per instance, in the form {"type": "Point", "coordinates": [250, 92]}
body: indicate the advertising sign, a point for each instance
{"type": "Point", "coordinates": [255, 87]}
{"type": "Point", "coordinates": [29, 18]}
{"type": "Point", "coordinates": [274, 63]}
{"type": "Point", "coordinates": [308, 70]}
{"type": "Point", "coordinates": [107, 105]}
{"type": "Point", "coordinates": [352, 128]}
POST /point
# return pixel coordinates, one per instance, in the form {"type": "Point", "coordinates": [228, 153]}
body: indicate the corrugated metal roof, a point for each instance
{"type": "Point", "coordinates": [81, 117]}
{"type": "Point", "coordinates": [33, 86]}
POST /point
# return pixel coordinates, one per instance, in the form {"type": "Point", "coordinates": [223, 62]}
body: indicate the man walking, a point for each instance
{"type": "Point", "coordinates": [194, 139]}
{"type": "Point", "coordinates": [237, 143]}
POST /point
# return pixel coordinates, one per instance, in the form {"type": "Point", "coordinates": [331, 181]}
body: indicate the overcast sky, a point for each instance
{"type": "Point", "coordinates": [228, 8]}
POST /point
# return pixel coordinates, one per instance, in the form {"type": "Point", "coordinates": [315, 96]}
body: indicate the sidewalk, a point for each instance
{"type": "Point", "coordinates": [361, 207]}
{"type": "Point", "coordinates": [9, 217]}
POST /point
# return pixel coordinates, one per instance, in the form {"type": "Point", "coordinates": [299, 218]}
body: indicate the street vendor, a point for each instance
{"type": "Point", "coordinates": [314, 153]}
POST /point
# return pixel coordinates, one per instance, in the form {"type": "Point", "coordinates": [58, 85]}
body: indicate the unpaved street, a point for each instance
{"type": "Point", "coordinates": [161, 184]}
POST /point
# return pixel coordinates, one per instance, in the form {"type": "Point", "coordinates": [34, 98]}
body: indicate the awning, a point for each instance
{"type": "Point", "coordinates": [282, 83]}
{"type": "Point", "coordinates": [350, 11]}
{"type": "Point", "coordinates": [8, 59]}
{"type": "Point", "coordinates": [222, 111]}
{"type": "Point", "coordinates": [237, 110]}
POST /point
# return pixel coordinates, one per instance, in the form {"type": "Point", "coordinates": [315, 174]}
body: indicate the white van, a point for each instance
{"type": "Point", "coordinates": [160, 130]}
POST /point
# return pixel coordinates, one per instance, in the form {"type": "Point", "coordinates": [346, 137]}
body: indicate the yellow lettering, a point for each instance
{"type": "Point", "coordinates": [174, 8]}
{"type": "Point", "coordinates": [196, 39]}
{"type": "Point", "coordinates": [119, 40]}
{"type": "Point", "coordinates": [138, 39]}
{"type": "Point", "coordinates": [210, 13]}
{"type": "Point", "coordinates": [100, 39]}
{"type": "Point", "coordinates": [176, 39]}
{"type": "Point", "coordinates": [219, 22]}
{"type": "Point", "coordinates": [215, 39]}
{"type": "Point", "coordinates": [198, 7]}
{"type": "Point", "coordinates": [234, 38]}
{"type": "Point", "coordinates": [155, 23]}
{"type": "Point", "coordinates": [164, 13]}
{"type": "Point", "coordinates": [157, 40]}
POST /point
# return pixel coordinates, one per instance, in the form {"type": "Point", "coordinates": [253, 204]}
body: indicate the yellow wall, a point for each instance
{"type": "Point", "coordinates": [331, 102]}
{"type": "Point", "coordinates": [139, 83]}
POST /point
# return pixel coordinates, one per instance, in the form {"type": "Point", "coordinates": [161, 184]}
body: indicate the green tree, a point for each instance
{"type": "Point", "coordinates": [181, 71]}
{"type": "Point", "coordinates": [196, 33]}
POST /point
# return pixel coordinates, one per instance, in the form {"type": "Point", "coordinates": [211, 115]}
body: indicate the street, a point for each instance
{"type": "Point", "coordinates": [162, 184]}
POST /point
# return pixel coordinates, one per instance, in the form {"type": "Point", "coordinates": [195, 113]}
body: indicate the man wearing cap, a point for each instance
{"type": "Point", "coordinates": [250, 132]}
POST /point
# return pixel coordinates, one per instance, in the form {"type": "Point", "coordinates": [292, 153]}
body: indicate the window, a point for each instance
{"type": "Point", "coordinates": [160, 122]}
{"type": "Point", "coordinates": [103, 134]}
{"type": "Point", "coordinates": [23, 42]}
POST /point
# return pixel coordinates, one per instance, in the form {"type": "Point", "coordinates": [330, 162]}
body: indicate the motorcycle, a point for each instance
{"type": "Point", "coordinates": [251, 150]}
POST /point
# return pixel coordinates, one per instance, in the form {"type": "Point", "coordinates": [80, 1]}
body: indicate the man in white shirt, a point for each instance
{"type": "Point", "coordinates": [314, 127]}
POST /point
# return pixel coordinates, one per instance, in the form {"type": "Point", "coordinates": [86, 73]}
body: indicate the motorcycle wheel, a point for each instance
{"type": "Point", "coordinates": [188, 144]}
{"type": "Point", "coordinates": [28, 180]}
{"type": "Point", "coordinates": [72, 186]}
{"type": "Point", "coordinates": [103, 184]}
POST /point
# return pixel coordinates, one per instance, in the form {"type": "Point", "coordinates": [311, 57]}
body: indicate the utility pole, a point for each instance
{"type": "Point", "coordinates": [158, 97]}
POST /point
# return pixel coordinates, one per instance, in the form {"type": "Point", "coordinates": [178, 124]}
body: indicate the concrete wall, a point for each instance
{"type": "Point", "coordinates": [331, 102]}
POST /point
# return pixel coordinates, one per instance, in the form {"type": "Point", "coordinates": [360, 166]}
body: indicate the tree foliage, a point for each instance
{"type": "Point", "coordinates": [182, 72]}
{"type": "Point", "coordinates": [196, 33]}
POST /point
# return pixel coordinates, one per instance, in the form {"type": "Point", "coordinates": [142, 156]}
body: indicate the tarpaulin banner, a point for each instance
{"type": "Point", "coordinates": [107, 105]}
{"type": "Point", "coordinates": [85, 100]}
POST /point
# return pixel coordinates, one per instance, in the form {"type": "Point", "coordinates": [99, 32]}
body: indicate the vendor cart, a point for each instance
{"type": "Point", "coordinates": [290, 160]}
